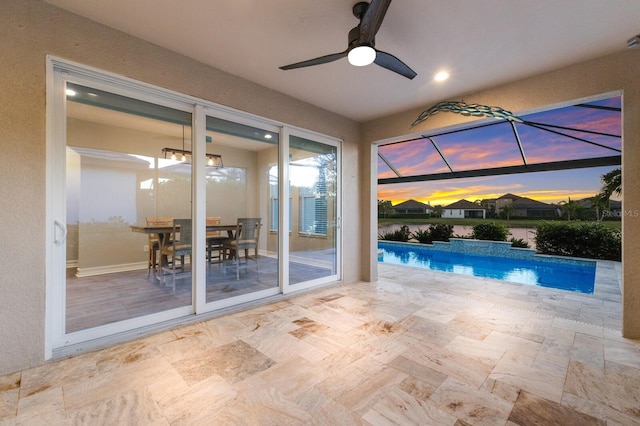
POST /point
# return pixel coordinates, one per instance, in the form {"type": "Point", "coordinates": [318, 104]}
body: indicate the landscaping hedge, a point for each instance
{"type": "Point", "coordinates": [588, 239]}
{"type": "Point", "coordinates": [401, 234]}
{"type": "Point", "coordinates": [490, 231]}
{"type": "Point", "coordinates": [438, 232]}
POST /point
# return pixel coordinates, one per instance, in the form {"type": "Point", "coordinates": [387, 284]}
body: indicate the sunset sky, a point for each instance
{"type": "Point", "coordinates": [496, 146]}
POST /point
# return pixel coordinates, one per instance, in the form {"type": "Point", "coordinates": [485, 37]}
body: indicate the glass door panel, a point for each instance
{"type": "Point", "coordinates": [241, 266]}
{"type": "Point", "coordinates": [313, 179]}
{"type": "Point", "coordinates": [123, 194]}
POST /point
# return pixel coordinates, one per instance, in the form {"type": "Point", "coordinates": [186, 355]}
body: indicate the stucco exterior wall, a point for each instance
{"type": "Point", "coordinates": [452, 213]}
{"type": "Point", "coordinates": [30, 29]}
{"type": "Point", "coordinates": [614, 73]}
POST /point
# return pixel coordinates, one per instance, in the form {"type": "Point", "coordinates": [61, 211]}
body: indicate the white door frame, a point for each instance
{"type": "Point", "coordinates": [58, 72]}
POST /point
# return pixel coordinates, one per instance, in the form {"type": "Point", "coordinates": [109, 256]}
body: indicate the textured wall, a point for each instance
{"type": "Point", "coordinates": [618, 72]}
{"type": "Point", "coordinates": [30, 29]}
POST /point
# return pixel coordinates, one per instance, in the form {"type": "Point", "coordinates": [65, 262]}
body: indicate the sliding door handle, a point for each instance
{"type": "Point", "coordinates": [63, 229]}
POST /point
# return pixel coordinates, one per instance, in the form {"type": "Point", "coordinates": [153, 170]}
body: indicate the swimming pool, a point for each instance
{"type": "Point", "coordinates": [554, 273]}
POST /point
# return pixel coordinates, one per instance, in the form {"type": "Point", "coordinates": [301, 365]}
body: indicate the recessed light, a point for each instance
{"type": "Point", "coordinates": [268, 136]}
{"type": "Point", "coordinates": [441, 76]}
{"type": "Point", "coordinates": [71, 92]}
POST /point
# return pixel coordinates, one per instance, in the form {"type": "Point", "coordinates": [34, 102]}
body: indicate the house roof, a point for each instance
{"type": "Point", "coordinates": [464, 204]}
{"type": "Point", "coordinates": [525, 202]}
{"type": "Point", "coordinates": [507, 196]}
{"type": "Point", "coordinates": [587, 203]}
{"type": "Point", "coordinates": [530, 203]}
{"type": "Point", "coordinates": [412, 204]}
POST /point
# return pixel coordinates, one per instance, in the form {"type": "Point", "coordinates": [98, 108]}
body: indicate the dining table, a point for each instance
{"type": "Point", "coordinates": [164, 234]}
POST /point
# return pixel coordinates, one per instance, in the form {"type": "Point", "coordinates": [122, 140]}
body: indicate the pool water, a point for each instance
{"type": "Point", "coordinates": [564, 276]}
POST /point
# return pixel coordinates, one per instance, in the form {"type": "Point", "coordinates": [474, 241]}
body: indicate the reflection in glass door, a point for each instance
{"type": "Point", "coordinates": [124, 194]}
{"type": "Point", "coordinates": [313, 179]}
{"type": "Point", "coordinates": [242, 245]}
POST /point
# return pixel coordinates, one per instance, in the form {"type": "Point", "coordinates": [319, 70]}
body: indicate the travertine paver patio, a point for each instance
{"type": "Point", "coordinates": [415, 347]}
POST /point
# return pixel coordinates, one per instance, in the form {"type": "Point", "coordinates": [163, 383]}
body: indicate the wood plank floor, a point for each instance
{"type": "Point", "coordinates": [104, 299]}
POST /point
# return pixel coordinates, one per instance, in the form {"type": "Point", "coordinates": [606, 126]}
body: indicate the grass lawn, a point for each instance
{"type": "Point", "coordinates": [512, 223]}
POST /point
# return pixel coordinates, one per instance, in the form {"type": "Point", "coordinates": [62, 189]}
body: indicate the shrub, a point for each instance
{"type": "Point", "coordinates": [421, 236]}
{"type": "Point", "coordinates": [490, 231]}
{"type": "Point", "coordinates": [401, 234]}
{"type": "Point", "coordinates": [408, 216]}
{"type": "Point", "coordinates": [440, 232]}
{"type": "Point", "coordinates": [587, 239]}
{"type": "Point", "coordinates": [518, 243]}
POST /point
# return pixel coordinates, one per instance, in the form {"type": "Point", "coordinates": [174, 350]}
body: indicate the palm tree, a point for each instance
{"type": "Point", "coordinates": [600, 206]}
{"type": "Point", "coordinates": [611, 184]}
{"type": "Point", "coordinates": [384, 208]}
{"type": "Point", "coordinates": [570, 207]}
{"type": "Point", "coordinates": [507, 210]}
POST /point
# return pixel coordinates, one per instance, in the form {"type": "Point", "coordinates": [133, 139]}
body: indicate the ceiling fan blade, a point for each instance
{"type": "Point", "coordinates": [372, 19]}
{"type": "Point", "coordinates": [390, 62]}
{"type": "Point", "coordinates": [316, 61]}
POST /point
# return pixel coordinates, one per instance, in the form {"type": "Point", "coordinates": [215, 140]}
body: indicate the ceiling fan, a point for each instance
{"type": "Point", "coordinates": [361, 49]}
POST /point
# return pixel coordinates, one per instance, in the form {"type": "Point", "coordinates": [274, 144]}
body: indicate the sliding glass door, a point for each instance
{"type": "Point", "coordinates": [161, 207]}
{"type": "Point", "coordinates": [119, 180]}
{"type": "Point", "coordinates": [242, 265]}
{"type": "Point", "coordinates": [314, 194]}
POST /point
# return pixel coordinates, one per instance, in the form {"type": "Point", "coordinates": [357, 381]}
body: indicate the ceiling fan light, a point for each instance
{"type": "Point", "coordinates": [441, 76]}
{"type": "Point", "coordinates": [361, 56]}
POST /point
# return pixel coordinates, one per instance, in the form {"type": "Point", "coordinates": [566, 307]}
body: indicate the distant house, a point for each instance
{"type": "Point", "coordinates": [412, 207]}
{"type": "Point", "coordinates": [526, 207]}
{"type": "Point", "coordinates": [464, 209]}
{"type": "Point", "coordinates": [490, 205]}
{"type": "Point", "coordinates": [614, 210]}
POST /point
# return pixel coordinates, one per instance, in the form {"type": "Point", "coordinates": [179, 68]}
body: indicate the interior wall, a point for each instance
{"type": "Point", "coordinates": [234, 207]}
{"type": "Point", "coordinates": [618, 72]}
{"type": "Point", "coordinates": [31, 29]}
{"type": "Point", "coordinates": [96, 242]}
{"type": "Point", "coordinates": [265, 159]}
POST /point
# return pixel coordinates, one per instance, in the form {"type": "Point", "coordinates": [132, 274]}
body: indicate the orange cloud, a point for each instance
{"type": "Point", "coordinates": [447, 192]}
{"type": "Point", "coordinates": [416, 158]}
{"type": "Point", "coordinates": [446, 195]}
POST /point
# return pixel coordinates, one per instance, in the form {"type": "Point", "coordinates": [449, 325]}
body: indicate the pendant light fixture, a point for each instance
{"type": "Point", "coordinates": [212, 160]}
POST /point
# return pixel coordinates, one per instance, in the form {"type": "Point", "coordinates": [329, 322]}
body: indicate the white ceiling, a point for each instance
{"type": "Point", "coordinates": [481, 43]}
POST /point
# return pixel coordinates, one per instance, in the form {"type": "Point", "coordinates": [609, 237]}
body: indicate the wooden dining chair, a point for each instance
{"type": "Point", "coordinates": [215, 240]}
{"type": "Point", "coordinates": [246, 238]}
{"type": "Point", "coordinates": [179, 247]}
{"type": "Point", "coordinates": [154, 242]}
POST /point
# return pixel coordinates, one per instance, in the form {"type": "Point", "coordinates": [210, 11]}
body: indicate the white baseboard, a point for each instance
{"type": "Point", "coordinates": [100, 270]}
